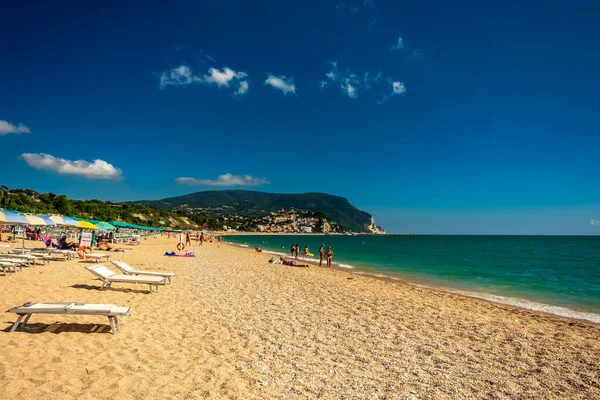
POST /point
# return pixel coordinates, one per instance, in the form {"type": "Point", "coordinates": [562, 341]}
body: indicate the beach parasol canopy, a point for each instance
{"type": "Point", "coordinates": [33, 220]}
{"type": "Point", "coordinates": [66, 221]}
{"type": "Point", "coordinates": [47, 219]}
{"type": "Point", "coordinates": [105, 226]}
{"type": "Point", "coordinates": [10, 218]}
{"type": "Point", "coordinates": [86, 225]}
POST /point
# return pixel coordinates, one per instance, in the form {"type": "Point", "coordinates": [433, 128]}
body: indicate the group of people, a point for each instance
{"type": "Point", "coordinates": [188, 238]}
{"type": "Point", "coordinates": [327, 255]}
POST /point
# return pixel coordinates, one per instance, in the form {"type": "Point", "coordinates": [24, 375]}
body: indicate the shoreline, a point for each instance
{"type": "Point", "coordinates": [230, 325]}
{"type": "Point", "coordinates": [520, 303]}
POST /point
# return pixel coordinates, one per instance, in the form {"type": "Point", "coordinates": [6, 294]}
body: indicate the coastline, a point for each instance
{"type": "Point", "coordinates": [520, 303]}
{"type": "Point", "coordinates": [233, 326]}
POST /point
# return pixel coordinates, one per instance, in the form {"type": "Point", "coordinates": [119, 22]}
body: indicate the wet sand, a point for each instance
{"type": "Point", "coordinates": [233, 326]}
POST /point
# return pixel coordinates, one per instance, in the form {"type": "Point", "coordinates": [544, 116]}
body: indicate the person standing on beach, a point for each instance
{"type": "Point", "coordinates": [321, 254]}
{"type": "Point", "coordinates": [188, 241]}
{"type": "Point", "coordinates": [293, 250]}
{"type": "Point", "coordinates": [329, 256]}
{"type": "Point", "coordinates": [297, 250]}
{"type": "Point", "coordinates": [201, 238]}
{"type": "Point", "coordinates": [305, 251]}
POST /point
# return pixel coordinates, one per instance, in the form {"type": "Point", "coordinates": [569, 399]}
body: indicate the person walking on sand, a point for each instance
{"type": "Point", "coordinates": [297, 250]}
{"type": "Point", "coordinates": [188, 241]}
{"type": "Point", "coordinates": [329, 256]}
{"type": "Point", "coordinates": [201, 238]}
{"type": "Point", "coordinates": [293, 250]}
{"type": "Point", "coordinates": [321, 254]}
{"type": "Point", "coordinates": [305, 251]}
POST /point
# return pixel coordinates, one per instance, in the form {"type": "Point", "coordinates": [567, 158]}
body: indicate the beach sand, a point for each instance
{"type": "Point", "coordinates": [233, 326]}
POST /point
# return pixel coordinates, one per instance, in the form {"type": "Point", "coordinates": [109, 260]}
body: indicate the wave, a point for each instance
{"type": "Point", "coordinates": [345, 266]}
{"type": "Point", "coordinates": [535, 306]}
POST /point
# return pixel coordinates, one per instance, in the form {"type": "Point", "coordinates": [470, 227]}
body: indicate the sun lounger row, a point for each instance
{"type": "Point", "coordinates": [108, 277]}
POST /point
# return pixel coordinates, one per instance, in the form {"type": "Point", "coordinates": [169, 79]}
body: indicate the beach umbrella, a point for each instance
{"type": "Point", "coordinates": [10, 218]}
{"type": "Point", "coordinates": [59, 220]}
{"type": "Point", "coordinates": [47, 219]}
{"type": "Point", "coordinates": [33, 220]}
{"type": "Point", "coordinates": [87, 225]}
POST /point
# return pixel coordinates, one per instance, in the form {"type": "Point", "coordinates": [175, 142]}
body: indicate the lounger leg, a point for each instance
{"type": "Point", "coordinates": [113, 328]}
{"type": "Point", "coordinates": [26, 320]}
{"type": "Point", "coordinates": [117, 323]}
{"type": "Point", "coordinates": [16, 325]}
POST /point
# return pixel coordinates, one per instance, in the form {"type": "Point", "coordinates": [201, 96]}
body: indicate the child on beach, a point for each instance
{"type": "Point", "coordinates": [305, 251]}
{"type": "Point", "coordinates": [297, 250]}
{"type": "Point", "coordinates": [188, 241]}
{"type": "Point", "coordinates": [329, 256]}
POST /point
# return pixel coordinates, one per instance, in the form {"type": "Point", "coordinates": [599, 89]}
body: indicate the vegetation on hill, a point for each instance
{"type": "Point", "coordinates": [232, 209]}
{"type": "Point", "coordinates": [250, 203]}
{"type": "Point", "coordinates": [30, 201]}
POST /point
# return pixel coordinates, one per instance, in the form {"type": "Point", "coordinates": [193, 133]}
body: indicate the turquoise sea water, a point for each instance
{"type": "Point", "coordinates": [557, 274]}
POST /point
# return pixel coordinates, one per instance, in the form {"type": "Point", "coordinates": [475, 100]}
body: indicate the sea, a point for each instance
{"type": "Point", "coordinates": [554, 274]}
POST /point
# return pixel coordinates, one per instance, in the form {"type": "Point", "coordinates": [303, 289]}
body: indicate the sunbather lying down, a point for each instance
{"type": "Point", "coordinates": [292, 263]}
{"type": "Point", "coordinates": [106, 247]}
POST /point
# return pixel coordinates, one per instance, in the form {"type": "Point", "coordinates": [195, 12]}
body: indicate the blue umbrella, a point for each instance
{"type": "Point", "coordinates": [10, 218]}
{"type": "Point", "coordinates": [47, 219]}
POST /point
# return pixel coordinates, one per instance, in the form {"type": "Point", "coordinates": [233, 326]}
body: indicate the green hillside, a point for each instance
{"type": "Point", "coordinates": [251, 203]}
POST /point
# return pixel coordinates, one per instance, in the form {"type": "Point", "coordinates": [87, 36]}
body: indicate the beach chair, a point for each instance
{"type": "Point", "coordinates": [7, 265]}
{"type": "Point", "coordinates": [108, 277]}
{"type": "Point", "coordinates": [95, 257]}
{"type": "Point", "coordinates": [25, 257]}
{"type": "Point", "coordinates": [108, 310]}
{"type": "Point", "coordinates": [16, 261]}
{"type": "Point", "coordinates": [128, 270]}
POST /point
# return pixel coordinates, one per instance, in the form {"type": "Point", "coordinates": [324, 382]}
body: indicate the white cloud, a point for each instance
{"type": "Point", "coordinates": [243, 88]}
{"type": "Point", "coordinates": [349, 90]}
{"type": "Point", "coordinates": [398, 46]}
{"type": "Point", "coordinates": [331, 75]}
{"type": "Point", "coordinates": [224, 180]}
{"type": "Point", "coordinates": [98, 169]}
{"type": "Point", "coordinates": [6, 128]}
{"type": "Point", "coordinates": [222, 78]}
{"type": "Point", "coordinates": [594, 222]}
{"type": "Point", "coordinates": [180, 76]}
{"type": "Point", "coordinates": [398, 88]}
{"type": "Point", "coordinates": [286, 85]}
{"type": "Point", "coordinates": [322, 84]}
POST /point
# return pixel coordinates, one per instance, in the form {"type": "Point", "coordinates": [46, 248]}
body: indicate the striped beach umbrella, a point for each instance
{"type": "Point", "coordinates": [47, 219]}
{"type": "Point", "coordinates": [66, 221]}
{"type": "Point", "coordinates": [10, 218]}
{"type": "Point", "coordinates": [33, 220]}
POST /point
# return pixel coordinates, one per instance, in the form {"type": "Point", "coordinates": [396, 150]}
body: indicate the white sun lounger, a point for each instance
{"type": "Point", "coordinates": [12, 262]}
{"type": "Point", "coordinates": [108, 277]}
{"type": "Point", "coordinates": [7, 265]}
{"type": "Point", "coordinates": [26, 257]}
{"type": "Point", "coordinates": [96, 257]}
{"type": "Point", "coordinates": [128, 270]}
{"type": "Point", "coordinates": [109, 310]}
{"type": "Point", "coordinates": [69, 254]}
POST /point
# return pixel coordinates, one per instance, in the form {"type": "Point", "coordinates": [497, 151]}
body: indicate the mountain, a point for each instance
{"type": "Point", "coordinates": [244, 202]}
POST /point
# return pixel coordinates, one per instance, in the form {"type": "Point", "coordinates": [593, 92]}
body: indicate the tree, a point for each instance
{"type": "Point", "coordinates": [62, 205]}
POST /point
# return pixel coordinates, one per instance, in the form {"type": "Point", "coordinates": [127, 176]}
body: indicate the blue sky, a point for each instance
{"type": "Point", "coordinates": [437, 117]}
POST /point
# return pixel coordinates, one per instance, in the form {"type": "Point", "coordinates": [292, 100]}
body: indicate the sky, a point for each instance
{"type": "Point", "coordinates": [464, 117]}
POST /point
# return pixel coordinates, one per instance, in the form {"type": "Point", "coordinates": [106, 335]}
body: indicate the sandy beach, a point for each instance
{"type": "Point", "coordinates": [233, 326]}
